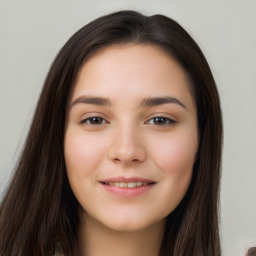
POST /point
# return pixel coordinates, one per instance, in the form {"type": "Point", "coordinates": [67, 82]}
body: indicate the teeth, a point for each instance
{"type": "Point", "coordinates": [127, 185]}
{"type": "Point", "coordinates": [123, 185]}
{"type": "Point", "coordinates": [132, 185]}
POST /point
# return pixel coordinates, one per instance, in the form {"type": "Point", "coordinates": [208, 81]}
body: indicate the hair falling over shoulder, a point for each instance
{"type": "Point", "coordinates": [39, 208]}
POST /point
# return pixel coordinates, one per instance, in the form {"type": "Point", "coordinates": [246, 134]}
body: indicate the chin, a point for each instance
{"type": "Point", "coordinates": [129, 224]}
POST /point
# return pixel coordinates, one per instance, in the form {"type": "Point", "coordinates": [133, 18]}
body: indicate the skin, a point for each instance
{"type": "Point", "coordinates": [129, 141]}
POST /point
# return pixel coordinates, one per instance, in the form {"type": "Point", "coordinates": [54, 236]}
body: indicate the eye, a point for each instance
{"type": "Point", "coordinates": [160, 120]}
{"type": "Point", "coordinates": [94, 121]}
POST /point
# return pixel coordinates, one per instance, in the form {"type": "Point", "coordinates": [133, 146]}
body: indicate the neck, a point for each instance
{"type": "Point", "coordinates": [96, 239]}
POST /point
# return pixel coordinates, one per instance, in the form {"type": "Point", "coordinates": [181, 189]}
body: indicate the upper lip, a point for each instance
{"type": "Point", "coordinates": [126, 180]}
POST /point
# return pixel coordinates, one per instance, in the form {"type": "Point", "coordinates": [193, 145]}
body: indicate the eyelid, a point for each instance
{"type": "Point", "coordinates": [171, 119]}
{"type": "Point", "coordinates": [92, 115]}
{"type": "Point", "coordinates": [91, 118]}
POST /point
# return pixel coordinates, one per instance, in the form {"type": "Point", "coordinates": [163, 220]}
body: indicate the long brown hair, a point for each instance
{"type": "Point", "coordinates": [39, 207]}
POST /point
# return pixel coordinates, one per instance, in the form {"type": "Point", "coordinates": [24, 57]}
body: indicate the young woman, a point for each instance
{"type": "Point", "coordinates": [123, 156]}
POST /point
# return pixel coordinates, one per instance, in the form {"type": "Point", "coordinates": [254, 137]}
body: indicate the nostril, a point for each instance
{"type": "Point", "coordinates": [116, 160]}
{"type": "Point", "coordinates": [133, 160]}
{"type": "Point", "coordinates": [126, 153]}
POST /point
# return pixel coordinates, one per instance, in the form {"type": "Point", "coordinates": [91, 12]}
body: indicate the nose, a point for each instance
{"type": "Point", "coordinates": [127, 147]}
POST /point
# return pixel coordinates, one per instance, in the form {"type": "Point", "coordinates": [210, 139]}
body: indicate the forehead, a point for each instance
{"type": "Point", "coordinates": [133, 70]}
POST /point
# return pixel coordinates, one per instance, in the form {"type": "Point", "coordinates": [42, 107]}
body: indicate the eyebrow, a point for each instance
{"type": "Point", "coordinates": [92, 100]}
{"type": "Point", "coordinates": [147, 102]}
{"type": "Point", "coordinates": [156, 101]}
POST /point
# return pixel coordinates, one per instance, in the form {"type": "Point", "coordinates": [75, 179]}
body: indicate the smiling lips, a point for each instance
{"type": "Point", "coordinates": [127, 187]}
{"type": "Point", "coordinates": [127, 184]}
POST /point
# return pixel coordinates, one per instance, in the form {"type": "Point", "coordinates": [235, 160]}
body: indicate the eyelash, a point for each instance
{"type": "Point", "coordinates": [89, 121]}
{"type": "Point", "coordinates": [167, 121]}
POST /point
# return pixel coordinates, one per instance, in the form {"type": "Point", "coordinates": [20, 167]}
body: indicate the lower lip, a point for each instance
{"type": "Point", "coordinates": [127, 192]}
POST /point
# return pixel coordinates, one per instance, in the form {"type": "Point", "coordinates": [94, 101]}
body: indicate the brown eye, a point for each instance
{"type": "Point", "coordinates": [94, 121]}
{"type": "Point", "coordinates": [160, 120]}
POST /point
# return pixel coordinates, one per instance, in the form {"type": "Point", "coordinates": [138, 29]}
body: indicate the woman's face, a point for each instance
{"type": "Point", "coordinates": [131, 137]}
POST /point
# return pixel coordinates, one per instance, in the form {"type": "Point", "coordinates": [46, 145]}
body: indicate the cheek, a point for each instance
{"type": "Point", "coordinates": [82, 154]}
{"type": "Point", "coordinates": [175, 157]}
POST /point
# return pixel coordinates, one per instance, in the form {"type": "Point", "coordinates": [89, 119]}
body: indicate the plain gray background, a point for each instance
{"type": "Point", "coordinates": [32, 32]}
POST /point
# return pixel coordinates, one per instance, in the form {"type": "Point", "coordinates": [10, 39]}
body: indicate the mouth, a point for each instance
{"type": "Point", "coordinates": [127, 187]}
{"type": "Point", "coordinates": [128, 184]}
